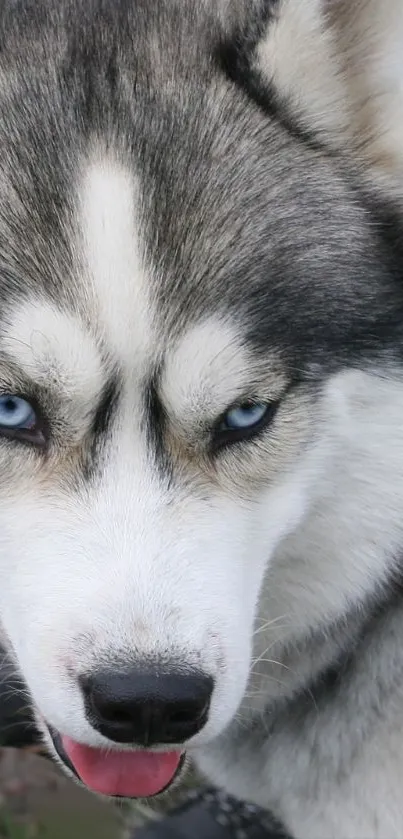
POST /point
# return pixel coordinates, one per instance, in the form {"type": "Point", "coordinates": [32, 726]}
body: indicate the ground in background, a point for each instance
{"type": "Point", "coordinates": [37, 802]}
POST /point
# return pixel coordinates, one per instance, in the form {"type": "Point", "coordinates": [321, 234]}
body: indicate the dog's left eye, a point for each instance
{"type": "Point", "coordinates": [242, 422]}
{"type": "Point", "coordinates": [19, 420]}
{"type": "Point", "coordinates": [246, 416]}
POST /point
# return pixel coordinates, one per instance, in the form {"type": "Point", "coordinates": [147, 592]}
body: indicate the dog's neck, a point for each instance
{"type": "Point", "coordinates": [307, 669]}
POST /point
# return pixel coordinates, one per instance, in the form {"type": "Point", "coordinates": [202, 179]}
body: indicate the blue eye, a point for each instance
{"type": "Point", "coordinates": [19, 420]}
{"type": "Point", "coordinates": [16, 413]}
{"type": "Point", "coordinates": [246, 416]}
{"type": "Point", "coordinates": [243, 422]}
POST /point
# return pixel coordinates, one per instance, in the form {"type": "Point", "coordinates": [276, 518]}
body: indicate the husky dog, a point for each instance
{"type": "Point", "coordinates": [201, 396]}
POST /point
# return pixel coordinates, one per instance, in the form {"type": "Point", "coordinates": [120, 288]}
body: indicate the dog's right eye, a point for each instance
{"type": "Point", "coordinates": [19, 420]}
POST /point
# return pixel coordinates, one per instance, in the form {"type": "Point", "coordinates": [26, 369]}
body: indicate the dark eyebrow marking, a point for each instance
{"type": "Point", "coordinates": [101, 425]}
{"type": "Point", "coordinates": [106, 409]}
{"type": "Point", "coordinates": [154, 425]}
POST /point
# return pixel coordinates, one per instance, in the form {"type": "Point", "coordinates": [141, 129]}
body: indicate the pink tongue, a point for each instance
{"type": "Point", "coordinates": [125, 774]}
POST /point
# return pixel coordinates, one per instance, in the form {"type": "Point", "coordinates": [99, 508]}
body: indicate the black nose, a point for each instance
{"type": "Point", "coordinates": [147, 708]}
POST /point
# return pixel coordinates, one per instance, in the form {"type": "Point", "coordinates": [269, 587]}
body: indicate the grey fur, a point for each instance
{"type": "Point", "coordinates": [247, 212]}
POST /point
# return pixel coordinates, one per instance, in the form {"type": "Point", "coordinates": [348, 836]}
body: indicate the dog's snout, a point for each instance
{"type": "Point", "coordinates": [147, 707]}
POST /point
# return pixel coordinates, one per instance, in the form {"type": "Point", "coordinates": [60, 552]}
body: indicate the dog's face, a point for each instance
{"type": "Point", "coordinates": [183, 276]}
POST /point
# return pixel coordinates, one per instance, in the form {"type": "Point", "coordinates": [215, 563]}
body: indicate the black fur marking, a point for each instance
{"type": "Point", "coordinates": [106, 409]}
{"type": "Point", "coordinates": [155, 427]}
{"type": "Point", "coordinates": [101, 425]}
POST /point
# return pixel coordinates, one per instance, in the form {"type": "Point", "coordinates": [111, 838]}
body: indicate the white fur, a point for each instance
{"type": "Point", "coordinates": [52, 347]}
{"type": "Point", "coordinates": [194, 379]}
{"type": "Point", "coordinates": [130, 568]}
{"type": "Point", "coordinates": [331, 560]}
{"type": "Point", "coordinates": [113, 255]}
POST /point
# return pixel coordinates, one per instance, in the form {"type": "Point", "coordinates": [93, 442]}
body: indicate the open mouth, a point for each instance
{"type": "Point", "coordinates": [129, 774]}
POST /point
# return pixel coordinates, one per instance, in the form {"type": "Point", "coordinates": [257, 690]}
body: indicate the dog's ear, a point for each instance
{"type": "Point", "coordinates": [336, 66]}
{"type": "Point", "coordinates": [296, 56]}
{"type": "Point", "coordinates": [369, 40]}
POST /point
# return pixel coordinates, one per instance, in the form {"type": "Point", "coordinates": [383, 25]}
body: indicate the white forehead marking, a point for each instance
{"type": "Point", "coordinates": [53, 347]}
{"type": "Point", "coordinates": [113, 254]}
{"type": "Point", "coordinates": [205, 368]}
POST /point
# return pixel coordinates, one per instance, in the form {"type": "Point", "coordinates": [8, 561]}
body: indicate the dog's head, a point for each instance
{"type": "Point", "coordinates": [184, 272]}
